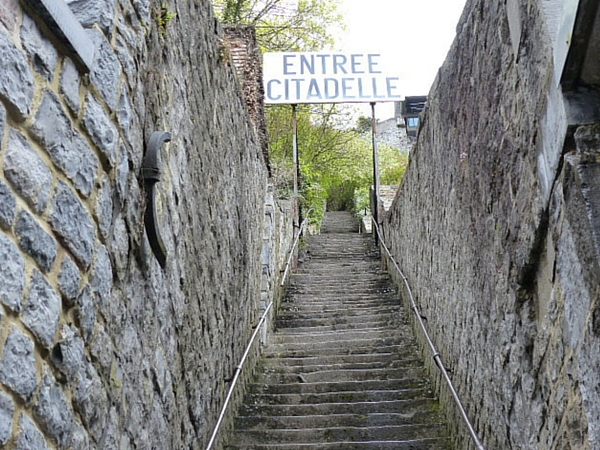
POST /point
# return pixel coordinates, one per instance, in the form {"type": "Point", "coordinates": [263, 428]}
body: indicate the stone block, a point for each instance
{"type": "Point", "coordinates": [69, 86]}
{"type": "Point", "coordinates": [68, 281]}
{"type": "Point", "coordinates": [8, 206]}
{"type": "Point", "coordinates": [27, 172]}
{"type": "Point", "coordinates": [86, 313]}
{"type": "Point", "coordinates": [7, 412]}
{"type": "Point", "coordinates": [66, 147]}
{"type": "Point", "coordinates": [73, 224]}
{"type": "Point", "coordinates": [68, 355]}
{"type": "Point", "coordinates": [80, 440]}
{"type": "Point", "coordinates": [29, 436]}
{"type": "Point", "coordinates": [91, 402]}
{"type": "Point", "coordinates": [106, 69]}
{"type": "Point", "coordinates": [35, 241]}
{"type": "Point", "coordinates": [12, 273]}
{"type": "Point", "coordinates": [17, 365]}
{"type": "Point", "coordinates": [102, 131]}
{"type": "Point", "coordinates": [2, 122]}
{"type": "Point", "coordinates": [41, 51]}
{"type": "Point", "coordinates": [42, 310]}
{"type": "Point", "coordinates": [102, 278]}
{"type": "Point", "coordinates": [16, 79]}
{"type": "Point", "coordinates": [104, 207]}
{"type": "Point", "coordinates": [91, 12]}
{"type": "Point", "coordinates": [54, 412]}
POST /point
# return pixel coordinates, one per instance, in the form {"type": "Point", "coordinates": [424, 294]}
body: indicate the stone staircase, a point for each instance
{"type": "Point", "coordinates": [343, 370]}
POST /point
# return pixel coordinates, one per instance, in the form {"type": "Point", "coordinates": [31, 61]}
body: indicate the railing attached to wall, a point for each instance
{"type": "Point", "coordinates": [240, 366]}
{"type": "Point", "coordinates": [436, 355]}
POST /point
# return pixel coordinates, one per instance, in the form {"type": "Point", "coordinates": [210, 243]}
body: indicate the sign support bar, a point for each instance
{"type": "Point", "coordinates": [375, 207]}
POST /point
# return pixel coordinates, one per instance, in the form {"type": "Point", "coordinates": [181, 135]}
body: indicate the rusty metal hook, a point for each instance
{"type": "Point", "coordinates": [151, 174]}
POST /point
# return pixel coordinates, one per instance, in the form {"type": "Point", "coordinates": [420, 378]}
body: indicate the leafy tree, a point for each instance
{"type": "Point", "coordinates": [285, 25]}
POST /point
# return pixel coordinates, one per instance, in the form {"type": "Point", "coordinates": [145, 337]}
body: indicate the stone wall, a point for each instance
{"type": "Point", "coordinates": [100, 347]}
{"type": "Point", "coordinates": [495, 226]}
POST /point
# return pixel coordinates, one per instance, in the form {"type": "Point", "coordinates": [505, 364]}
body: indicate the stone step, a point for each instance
{"type": "Point", "coordinates": [291, 376]}
{"type": "Point", "coordinates": [332, 420]}
{"type": "Point", "coordinates": [365, 358]}
{"type": "Point", "coordinates": [338, 397]}
{"type": "Point", "coordinates": [361, 408]}
{"type": "Point", "coordinates": [333, 347]}
{"type": "Point", "coordinates": [283, 351]}
{"type": "Point", "coordinates": [339, 386]}
{"type": "Point", "coordinates": [348, 434]}
{"type": "Point", "coordinates": [421, 444]}
{"type": "Point", "coordinates": [277, 365]}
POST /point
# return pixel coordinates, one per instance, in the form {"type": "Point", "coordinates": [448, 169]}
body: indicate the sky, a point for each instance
{"type": "Point", "coordinates": [416, 34]}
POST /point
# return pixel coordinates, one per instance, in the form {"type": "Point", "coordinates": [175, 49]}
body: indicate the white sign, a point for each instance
{"type": "Point", "coordinates": [303, 77]}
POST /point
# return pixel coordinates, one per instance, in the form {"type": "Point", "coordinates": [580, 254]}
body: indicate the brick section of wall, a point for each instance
{"type": "Point", "coordinates": [495, 234]}
{"type": "Point", "coordinates": [100, 348]}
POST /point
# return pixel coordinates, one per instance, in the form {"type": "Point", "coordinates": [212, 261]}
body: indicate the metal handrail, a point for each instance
{"type": "Point", "coordinates": [436, 354]}
{"type": "Point", "coordinates": [240, 366]}
{"type": "Point", "coordinates": [296, 240]}
{"type": "Point", "coordinates": [236, 376]}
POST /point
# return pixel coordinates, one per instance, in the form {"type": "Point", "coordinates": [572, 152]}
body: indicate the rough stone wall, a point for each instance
{"type": "Point", "coordinates": [494, 227]}
{"type": "Point", "coordinates": [99, 346]}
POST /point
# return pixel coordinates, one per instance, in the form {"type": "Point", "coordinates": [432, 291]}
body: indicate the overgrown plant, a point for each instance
{"type": "Point", "coordinates": [164, 16]}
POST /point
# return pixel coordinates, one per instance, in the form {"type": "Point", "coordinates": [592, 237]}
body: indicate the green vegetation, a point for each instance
{"type": "Point", "coordinates": [335, 154]}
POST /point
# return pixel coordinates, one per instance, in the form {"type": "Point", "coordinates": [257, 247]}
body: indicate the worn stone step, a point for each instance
{"type": "Point", "coordinates": [278, 365]}
{"type": "Point", "coordinates": [420, 444]}
{"type": "Point", "coordinates": [349, 434]}
{"type": "Point", "coordinates": [331, 420]}
{"type": "Point", "coordinates": [349, 337]}
{"type": "Point", "coordinates": [392, 406]}
{"type": "Point", "coordinates": [339, 386]}
{"type": "Point", "coordinates": [338, 397]}
{"type": "Point", "coordinates": [363, 358]}
{"type": "Point", "coordinates": [338, 347]}
{"type": "Point", "coordinates": [290, 376]}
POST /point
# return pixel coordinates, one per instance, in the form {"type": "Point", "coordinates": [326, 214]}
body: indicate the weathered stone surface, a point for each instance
{"type": "Point", "coordinates": [90, 12]}
{"type": "Point", "coordinates": [2, 121]}
{"type": "Point", "coordinates": [102, 131]}
{"type": "Point", "coordinates": [119, 247]}
{"type": "Point", "coordinates": [12, 273]}
{"type": "Point", "coordinates": [7, 412]}
{"type": "Point", "coordinates": [86, 313]}
{"type": "Point", "coordinates": [8, 206]}
{"type": "Point", "coordinates": [91, 402]}
{"type": "Point", "coordinates": [54, 412]}
{"type": "Point", "coordinates": [41, 51]}
{"type": "Point", "coordinates": [8, 14]}
{"type": "Point", "coordinates": [42, 310]}
{"type": "Point", "coordinates": [104, 207]}
{"type": "Point", "coordinates": [68, 355]}
{"type": "Point", "coordinates": [68, 281]}
{"type": "Point", "coordinates": [27, 172]}
{"type": "Point", "coordinates": [102, 280]}
{"type": "Point", "coordinates": [71, 221]}
{"type": "Point", "coordinates": [17, 365]}
{"type": "Point", "coordinates": [81, 440]}
{"type": "Point", "coordinates": [29, 436]}
{"type": "Point", "coordinates": [67, 148]}
{"type": "Point", "coordinates": [16, 78]}
{"type": "Point", "coordinates": [106, 69]}
{"type": "Point", "coordinates": [35, 241]}
{"type": "Point", "coordinates": [69, 85]}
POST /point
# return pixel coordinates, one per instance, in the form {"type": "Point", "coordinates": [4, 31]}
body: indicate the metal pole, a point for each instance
{"type": "Point", "coordinates": [375, 167]}
{"type": "Point", "coordinates": [296, 165]}
{"type": "Point", "coordinates": [296, 203]}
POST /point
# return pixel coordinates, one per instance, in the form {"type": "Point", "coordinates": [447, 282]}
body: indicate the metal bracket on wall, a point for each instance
{"type": "Point", "coordinates": [151, 174]}
{"type": "Point", "coordinates": [61, 21]}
